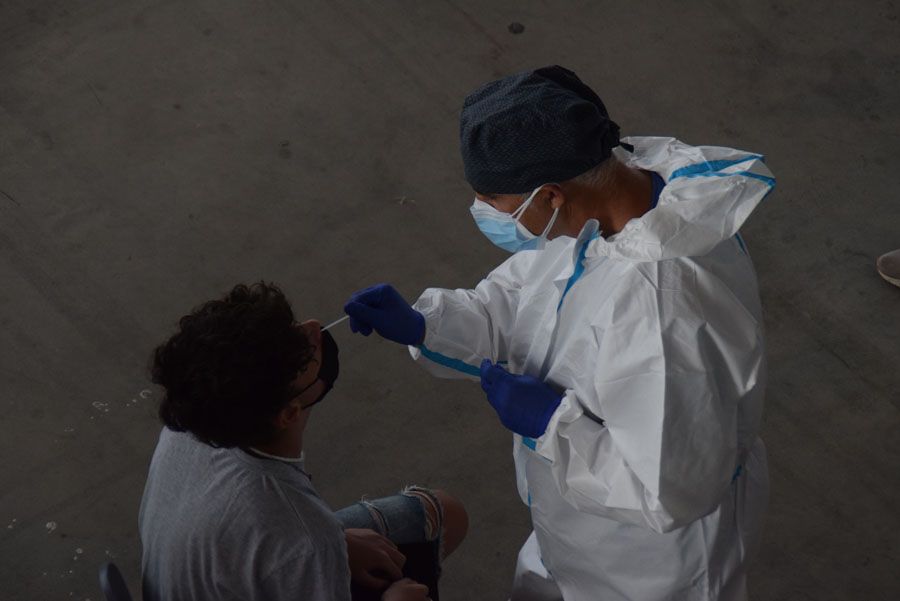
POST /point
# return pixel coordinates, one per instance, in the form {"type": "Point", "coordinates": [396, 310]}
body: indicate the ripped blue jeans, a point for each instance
{"type": "Point", "coordinates": [403, 519]}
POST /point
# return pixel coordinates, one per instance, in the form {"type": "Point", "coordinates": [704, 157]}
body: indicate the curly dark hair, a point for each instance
{"type": "Point", "coordinates": [229, 368]}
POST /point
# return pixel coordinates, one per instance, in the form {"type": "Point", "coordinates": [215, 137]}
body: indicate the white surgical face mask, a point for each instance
{"type": "Point", "coordinates": [505, 230]}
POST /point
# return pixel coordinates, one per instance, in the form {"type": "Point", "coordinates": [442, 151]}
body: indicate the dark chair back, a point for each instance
{"type": "Point", "coordinates": [112, 584]}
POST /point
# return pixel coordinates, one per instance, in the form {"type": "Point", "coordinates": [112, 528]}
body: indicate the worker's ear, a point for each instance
{"type": "Point", "coordinates": [288, 415]}
{"type": "Point", "coordinates": [555, 196]}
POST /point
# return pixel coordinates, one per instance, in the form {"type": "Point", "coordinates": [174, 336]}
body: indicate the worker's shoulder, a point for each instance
{"type": "Point", "coordinates": [623, 277]}
{"type": "Point", "coordinates": [727, 264]}
{"type": "Point", "coordinates": [718, 287]}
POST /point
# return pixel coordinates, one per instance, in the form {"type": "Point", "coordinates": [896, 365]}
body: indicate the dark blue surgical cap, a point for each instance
{"type": "Point", "coordinates": [533, 128]}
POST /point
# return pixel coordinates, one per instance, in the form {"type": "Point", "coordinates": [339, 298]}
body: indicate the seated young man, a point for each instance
{"type": "Point", "coordinates": [228, 512]}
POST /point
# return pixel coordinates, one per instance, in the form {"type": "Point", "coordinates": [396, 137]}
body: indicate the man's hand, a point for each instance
{"type": "Point", "coordinates": [524, 403]}
{"type": "Point", "coordinates": [374, 561]}
{"type": "Point", "coordinates": [406, 590]}
{"type": "Point", "coordinates": [381, 308]}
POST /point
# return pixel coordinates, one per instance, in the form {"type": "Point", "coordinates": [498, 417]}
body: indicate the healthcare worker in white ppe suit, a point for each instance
{"type": "Point", "coordinates": [622, 343]}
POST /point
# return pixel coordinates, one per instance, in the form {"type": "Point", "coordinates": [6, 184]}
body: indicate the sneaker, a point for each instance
{"type": "Point", "coordinates": [889, 267]}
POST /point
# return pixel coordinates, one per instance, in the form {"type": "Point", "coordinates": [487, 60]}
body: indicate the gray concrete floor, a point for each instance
{"type": "Point", "coordinates": [154, 153]}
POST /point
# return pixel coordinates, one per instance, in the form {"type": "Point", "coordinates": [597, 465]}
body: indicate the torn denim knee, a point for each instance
{"type": "Point", "coordinates": [434, 511]}
{"type": "Point", "coordinates": [377, 517]}
{"type": "Point", "coordinates": [404, 518]}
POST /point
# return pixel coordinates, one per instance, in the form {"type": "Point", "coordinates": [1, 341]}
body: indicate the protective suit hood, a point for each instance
{"type": "Point", "coordinates": [710, 191]}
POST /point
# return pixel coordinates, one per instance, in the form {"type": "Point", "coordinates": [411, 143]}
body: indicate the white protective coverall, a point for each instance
{"type": "Point", "coordinates": [650, 481]}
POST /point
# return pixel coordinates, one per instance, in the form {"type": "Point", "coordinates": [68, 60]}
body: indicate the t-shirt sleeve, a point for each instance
{"type": "Point", "coordinates": [313, 575]}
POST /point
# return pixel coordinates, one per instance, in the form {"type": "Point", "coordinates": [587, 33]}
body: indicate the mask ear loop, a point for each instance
{"type": "Point", "coordinates": [517, 214]}
{"type": "Point", "coordinates": [550, 224]}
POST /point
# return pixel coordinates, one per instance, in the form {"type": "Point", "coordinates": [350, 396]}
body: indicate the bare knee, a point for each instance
{"type": "Point", "coordinates": [445, 515]}
{"type": "Point", "coordinates": [455, 523]}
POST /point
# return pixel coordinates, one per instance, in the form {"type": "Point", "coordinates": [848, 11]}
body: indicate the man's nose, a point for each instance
{"type": "Point", "coordinates": [313, 328]}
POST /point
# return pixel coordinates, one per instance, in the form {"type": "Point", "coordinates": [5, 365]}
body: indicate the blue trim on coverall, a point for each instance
{"type": "Point", "coordinates": [707, 167]}
{"type": "Point", "coordinates": [450, 362]}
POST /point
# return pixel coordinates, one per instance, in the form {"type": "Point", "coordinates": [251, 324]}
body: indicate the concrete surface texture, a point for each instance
{"type": "Point", "coordinates": [154, 153]}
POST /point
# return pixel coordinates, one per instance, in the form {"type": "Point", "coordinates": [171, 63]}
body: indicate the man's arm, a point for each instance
{"type": "Point", "coordinates": [374, 560]}
{"type": "Point", "coordinates": [311, 574]}
{"type": "Point", "coordinates": [406, 590]}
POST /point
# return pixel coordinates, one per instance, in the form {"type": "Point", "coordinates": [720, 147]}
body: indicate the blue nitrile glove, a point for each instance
{"type": "Point", "coordinates": [524, 404]}
{"type": "Point", "coordinates": [381, 308]}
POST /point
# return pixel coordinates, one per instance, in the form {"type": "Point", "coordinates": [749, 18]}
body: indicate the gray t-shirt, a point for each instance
{"type": "Point", "coordinates": [222, 524]}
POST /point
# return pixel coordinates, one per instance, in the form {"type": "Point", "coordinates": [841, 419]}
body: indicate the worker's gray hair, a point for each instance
{"type": "Point", "coordinates": [600, 176]}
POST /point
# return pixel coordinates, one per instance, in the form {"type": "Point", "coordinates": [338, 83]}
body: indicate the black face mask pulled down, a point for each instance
{"type": "Point", "coordinates": [328, 368]}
